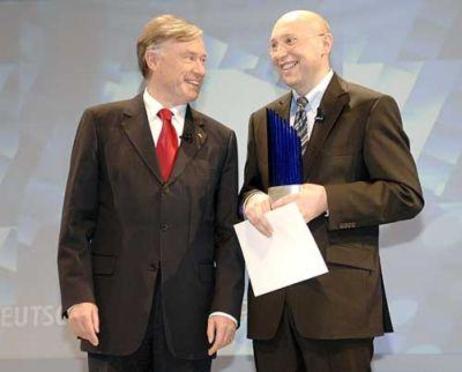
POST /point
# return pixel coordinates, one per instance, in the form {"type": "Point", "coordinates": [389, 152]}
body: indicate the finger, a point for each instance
{"type": "Point", "coordinates": [257, 209]}
{"type": "Point", "coordinates": [211, 330]}
{"type": "Point", "coordinates": [264, 229]}
{"type": "Point", "coordinates": [93, 338]}
{"type": "Point", "coordinates": [89, 330]}
{"type": "Point", "coordinates": [266, 226]}
{"type": "Point", "coordinates": [261, 227]}
{"type": "Point", "coordinates": [95, 319]}
{"type": "Point", "coordinates": [259, 224]}
{"type": "Point", "coordinates": [265, 206]}
{"type": "Point", "coordinates": [259, 220]}
{"type": "Point", "coordinates": [219, 337]}
{"type": "Point", "coordinates": [214, 348]}
{"type": "Point", "coordinates": [229, 336]}
{"type": "Point", "coordinates": [78, 328]}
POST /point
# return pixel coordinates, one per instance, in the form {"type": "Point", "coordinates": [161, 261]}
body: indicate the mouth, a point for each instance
{"type": "Point", "coordinates": [287, 66]}
{"type": "Point", "coordinates": [194, 83]}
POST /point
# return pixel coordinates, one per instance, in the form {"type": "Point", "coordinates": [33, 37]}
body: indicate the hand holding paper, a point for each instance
{"type": "Point", "coordinates": [311, 201]}
{"type": "Point", "coordinates": [256, 208]}
{"type": "Point", "coordinates": [289, 256]}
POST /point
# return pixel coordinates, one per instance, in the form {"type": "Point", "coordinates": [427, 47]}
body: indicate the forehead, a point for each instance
{"type": "Point", "coordinates": [194, 46]}
{"type": "Point", "coordinates": [291, 27]}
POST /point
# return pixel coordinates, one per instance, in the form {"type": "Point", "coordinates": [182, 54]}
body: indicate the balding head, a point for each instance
{"type": "Point", "coordinates": [301, 42]}
{"type": "Point", "coordinates": [312, 20]}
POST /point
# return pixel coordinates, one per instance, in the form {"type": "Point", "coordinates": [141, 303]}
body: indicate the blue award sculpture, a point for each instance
{"type": "Point", "coordinates": [284, 157]}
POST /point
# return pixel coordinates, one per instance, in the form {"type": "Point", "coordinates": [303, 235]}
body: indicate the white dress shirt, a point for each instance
{"type": "Point", "coordinates": [155, 123]}
{"type": "Point", "coordinates": [314, 97]}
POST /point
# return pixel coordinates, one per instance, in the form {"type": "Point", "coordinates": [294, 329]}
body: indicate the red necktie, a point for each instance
{"type": "Point", "coordinates": [167, 144]}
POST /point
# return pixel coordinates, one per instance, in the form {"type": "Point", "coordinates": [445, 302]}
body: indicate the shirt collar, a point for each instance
{"type": "Point", "coordinates": [314, 96]}
{"type": "Point", "coordinates": [153, 106]}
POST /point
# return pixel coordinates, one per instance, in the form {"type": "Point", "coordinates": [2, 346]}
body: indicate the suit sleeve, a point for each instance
{"type": "Point", "coordinates": [79, 217]}
{"type": "Point", "coordinates": [252, 178]}
{"type": "Point", "coordinates": [229, 280]}
{"type": "Point", "coordinates": [391, 191]}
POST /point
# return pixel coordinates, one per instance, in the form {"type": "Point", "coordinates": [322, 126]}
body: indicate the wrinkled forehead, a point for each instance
{"type": "Point", "coordinates": [195, 45]}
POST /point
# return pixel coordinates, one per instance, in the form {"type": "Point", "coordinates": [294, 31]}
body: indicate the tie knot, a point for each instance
{"type": "Point", "coordinates": [165, 114]}
{"type": "Point", "coordinates": [301, 103]}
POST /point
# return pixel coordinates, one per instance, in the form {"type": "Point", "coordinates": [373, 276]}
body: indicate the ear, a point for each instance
{"type": "Point", "coordinates": [152, 58]}
{"type": "Point", "coordinates": [327, 42]}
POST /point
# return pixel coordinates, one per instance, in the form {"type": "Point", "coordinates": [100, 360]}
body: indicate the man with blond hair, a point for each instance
{"type": "Point", "coordinates": [358, 173]}
{"type": "Point", "coordinates": [150, 271]}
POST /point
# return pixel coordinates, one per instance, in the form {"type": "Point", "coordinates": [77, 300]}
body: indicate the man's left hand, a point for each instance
{"type": "Point", "coordinates": [311, 201]}
{"type": "Point", "coordinates": [220, 332]}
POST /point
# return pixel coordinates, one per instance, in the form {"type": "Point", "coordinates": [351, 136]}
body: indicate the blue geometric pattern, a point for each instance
{"type": "Point", "coordinates": [58, 57]}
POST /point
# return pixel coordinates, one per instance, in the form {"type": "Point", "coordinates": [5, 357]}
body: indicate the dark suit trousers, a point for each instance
{"type": "Point", "coordinates": [288, 351]}
{"type": "Point", "coordinates": [153, 355]}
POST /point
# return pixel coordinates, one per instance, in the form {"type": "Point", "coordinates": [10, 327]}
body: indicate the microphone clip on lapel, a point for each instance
{"type": "Point", "coordinates": [320, 116]}
{"type": "Point", "coordinates": [187, 137]}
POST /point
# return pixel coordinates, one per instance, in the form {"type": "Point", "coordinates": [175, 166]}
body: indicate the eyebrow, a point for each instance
{"type": "Point", "coordinates": [283, 35]}
{"type": "Point", "coordinates": [190, 52]}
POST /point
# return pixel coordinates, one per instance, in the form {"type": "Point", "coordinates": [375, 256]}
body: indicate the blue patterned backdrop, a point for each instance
{"type": "Point", "coordinates": [58, 57]}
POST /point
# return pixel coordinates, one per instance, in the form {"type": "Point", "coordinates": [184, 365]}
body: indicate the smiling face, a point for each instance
{"type": "Point", "coordinates": [300, 47]}
{"type": "Point", "coordinates": [177, 71]}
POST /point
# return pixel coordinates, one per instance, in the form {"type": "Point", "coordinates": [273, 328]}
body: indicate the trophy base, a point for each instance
{"type": "Point", "coordinates": [277, 192]}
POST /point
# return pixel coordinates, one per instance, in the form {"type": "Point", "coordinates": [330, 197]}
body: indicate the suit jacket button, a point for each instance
{"type": "Point", "coordinates": [164, 227]}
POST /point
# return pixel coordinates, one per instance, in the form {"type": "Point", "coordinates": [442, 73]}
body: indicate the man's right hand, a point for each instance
{"type": "Point", "coordinates": [84, 321]}
{"type": "Point", "coordinates": [255, 208]}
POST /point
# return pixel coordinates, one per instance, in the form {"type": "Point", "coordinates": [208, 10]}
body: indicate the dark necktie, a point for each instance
{"type": "Point", "coordinates": [301, 122]}
{"type": "Point", "coordinates": [167, 144]}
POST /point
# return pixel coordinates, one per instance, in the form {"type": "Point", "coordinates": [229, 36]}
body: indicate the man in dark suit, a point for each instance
{"type": "Point", "coordinates": [358, 174]}
{"type": "Point", "coordinates": [150, 270]}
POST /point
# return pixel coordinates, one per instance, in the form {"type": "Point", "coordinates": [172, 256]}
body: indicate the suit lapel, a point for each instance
{"type": "Point", "coordinates": [136, 127]}
{"type": "Point", "coordinates": [192, 141]}
{"type": "Point", "coordinates": [334, 100]}
{"type": "Point", "coordinates": [282, 107]}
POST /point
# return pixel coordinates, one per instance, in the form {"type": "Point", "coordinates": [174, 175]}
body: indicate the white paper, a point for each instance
{"type": "Point", "coordinates": [289, 256]}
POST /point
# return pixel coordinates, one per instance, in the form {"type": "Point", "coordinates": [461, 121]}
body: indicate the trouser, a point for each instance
{"type": "Point", "coordinates": [288, 351]}
{"type": "Point", "coordinates": [153, 355]}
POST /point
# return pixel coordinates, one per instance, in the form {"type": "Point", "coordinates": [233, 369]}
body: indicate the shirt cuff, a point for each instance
{"type": "Point", "coordinates": [69, 309]}
{"type": "Point", "coordinates": [225, 315]}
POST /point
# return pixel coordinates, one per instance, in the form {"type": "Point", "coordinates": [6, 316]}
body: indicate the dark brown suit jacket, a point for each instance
{"type": "Point", "coordinates": [122, 226]}
{"type": "Point", "coordinates": [360, 153]}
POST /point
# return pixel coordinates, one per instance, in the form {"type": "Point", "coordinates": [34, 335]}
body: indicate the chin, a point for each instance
{"type": "Point", "coordinates": [290, 83]}
{"type": "Point", "coordinates": [193, 97]}
{"type": "Point", "coordinates": [288, 80]}
{"type": "Point", "coordinates": [188, 96]}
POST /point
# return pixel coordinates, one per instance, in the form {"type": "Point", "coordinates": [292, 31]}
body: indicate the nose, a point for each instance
{"type": "Point", "coordinates": [199, 68]}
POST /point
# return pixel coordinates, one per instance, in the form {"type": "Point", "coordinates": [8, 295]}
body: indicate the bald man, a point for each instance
{"type": "Point", "coordinates": [358, 173]}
